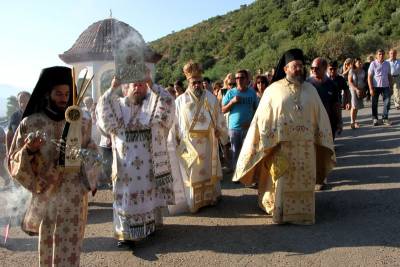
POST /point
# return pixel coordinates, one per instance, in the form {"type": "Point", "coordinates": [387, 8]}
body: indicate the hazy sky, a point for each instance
{"type": "Point", "coordinates": [35, 32]}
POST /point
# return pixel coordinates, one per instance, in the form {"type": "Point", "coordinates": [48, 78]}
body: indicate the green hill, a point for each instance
{"type": "Point", "coordinates": [254, 36]}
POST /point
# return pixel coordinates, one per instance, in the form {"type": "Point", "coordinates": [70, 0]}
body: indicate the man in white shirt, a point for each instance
{"type": "Point", "coordinates": [395, 73]}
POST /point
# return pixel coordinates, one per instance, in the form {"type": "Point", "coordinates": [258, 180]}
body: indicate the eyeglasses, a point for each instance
{"type": "Point", "coordinates": [240, 78]}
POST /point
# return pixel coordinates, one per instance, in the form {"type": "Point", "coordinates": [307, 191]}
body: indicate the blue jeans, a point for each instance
{"type": "Point", "coordinates": [385, 91]}
{"type": "Point", "coordinates": [236, 137]}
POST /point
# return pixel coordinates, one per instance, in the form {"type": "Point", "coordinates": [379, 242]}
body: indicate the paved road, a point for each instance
{"type": "Point", "coordinates": [357, 222]}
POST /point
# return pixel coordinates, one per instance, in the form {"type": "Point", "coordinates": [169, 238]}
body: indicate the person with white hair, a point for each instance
{"type": "Point", "coordinates": [23, 99]}
{"type": "Point", "coordinates": [138, 125]}
{"type": "Point", "coordinates": [87, 108]}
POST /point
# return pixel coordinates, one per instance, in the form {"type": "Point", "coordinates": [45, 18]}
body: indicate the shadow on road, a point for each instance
{"type": "Point", "coordinates": [96, 216]}
{"type": "Point", "coordinates": [363, 223]}
{"type": "Point", "coordinates": [353, 218]}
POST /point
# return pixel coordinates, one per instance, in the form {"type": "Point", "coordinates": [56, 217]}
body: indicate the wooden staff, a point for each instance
{"type": "Point", "coordinates": [83, 82]}
{"type": "Point", "coordinates": [73, 87]}
{"type": "Point", "coordinates": [82, 93]}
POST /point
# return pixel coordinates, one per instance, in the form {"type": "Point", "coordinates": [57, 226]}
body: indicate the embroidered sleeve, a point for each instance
{"type": "Point", "coordinates": [108, 112]}
{"type": "Point", "coordinates": [165, 109]}
{"type": "Point", "coordinates": [23, 166]}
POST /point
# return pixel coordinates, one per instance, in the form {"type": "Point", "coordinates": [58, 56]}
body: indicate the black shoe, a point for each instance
{"type": "Point", "coordinates": [125, 244]}
{"type": "Point", "coordinates": [104, 186]}
{"type": "Point", "coordinates": [323, 187]}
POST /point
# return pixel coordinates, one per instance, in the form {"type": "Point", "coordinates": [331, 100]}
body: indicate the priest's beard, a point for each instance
{"type": "Point", "coordinates": [55, 112]}
{"type": "Point", "coordinates": [55, 108]}
{"type": "Point", "coordinates": [296, 79]}
{"type": "Point", "coordinates": [197, 91]}
{"type": "Point", "coordinates": [137, 99]}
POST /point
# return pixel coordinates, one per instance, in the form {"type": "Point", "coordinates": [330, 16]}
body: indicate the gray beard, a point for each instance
{"type": "Point", "coordinates": [137, 100]}
{"type": "Point", "coordinates": [197, 92]}
{"type": "Point", "coordinates": [295, 79]}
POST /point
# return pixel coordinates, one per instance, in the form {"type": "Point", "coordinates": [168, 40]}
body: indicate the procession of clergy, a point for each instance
{"type": "Point", "coordinates": [166, 154]}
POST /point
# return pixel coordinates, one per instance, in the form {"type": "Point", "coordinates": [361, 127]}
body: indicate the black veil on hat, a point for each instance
{"type": "Point", "coordinates": [49, 77]}
{"type": "Point", "coordinates": [288, 56]}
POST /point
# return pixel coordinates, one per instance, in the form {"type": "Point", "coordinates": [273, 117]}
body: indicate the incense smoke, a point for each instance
{"type": "Point", "coordinates": [14, 200]}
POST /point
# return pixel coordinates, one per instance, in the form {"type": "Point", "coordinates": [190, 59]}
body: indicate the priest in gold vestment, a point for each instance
{"type": "Point", "coordinates": [198, 128]}
{"type": "Point", "coordinates": [289, 145]}
{"type": "Point", "coordinates": [59, 203]}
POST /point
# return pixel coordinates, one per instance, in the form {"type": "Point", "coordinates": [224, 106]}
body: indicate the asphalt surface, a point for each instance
{"type": "Point", "coordinates": [357, 219]}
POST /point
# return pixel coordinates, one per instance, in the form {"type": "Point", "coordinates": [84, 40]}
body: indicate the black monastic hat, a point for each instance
{"type": "Point", "coordinates": [48, 78]}
{"type": "Point", "coordinates": [288, 56]}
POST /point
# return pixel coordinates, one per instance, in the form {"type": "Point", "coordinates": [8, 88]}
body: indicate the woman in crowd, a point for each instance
{"type": "Point", "coordinates": [346, 68]}
{"type": "Point", "coordinates": [356, 80]}
{"type": "Point", "coordinates": [217, 86]}
{"type": "Point", "coordinates": [229, 83]}
{"type": "Point", "coordinates": [260, 84]}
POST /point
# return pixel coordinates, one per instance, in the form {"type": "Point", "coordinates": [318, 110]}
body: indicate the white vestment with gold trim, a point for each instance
{"type": "Point", "coordinates": [195, 145]}
{"type": "Point", "coordinates": [142, 180]}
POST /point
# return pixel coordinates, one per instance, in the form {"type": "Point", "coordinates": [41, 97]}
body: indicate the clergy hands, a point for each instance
{"type": "Point", "coordinates": [149, 81]}
{"type": "Point", "coordinates": [34, 141]}
{"type": "Point", "coordinates": [115, 83]}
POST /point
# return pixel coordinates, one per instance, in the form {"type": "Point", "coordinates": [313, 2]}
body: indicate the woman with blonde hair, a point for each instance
{"type": "Point", "coordinates": [229, 83]}
{"type": "Point", "coordinates": [346, 68]}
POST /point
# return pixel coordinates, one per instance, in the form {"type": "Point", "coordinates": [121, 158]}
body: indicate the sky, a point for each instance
{"type": "Point", "coordinates": [35, 32]}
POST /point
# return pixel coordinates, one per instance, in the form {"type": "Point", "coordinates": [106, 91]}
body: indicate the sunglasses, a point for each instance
{"type": "Point", "coordinates": [240, 78]}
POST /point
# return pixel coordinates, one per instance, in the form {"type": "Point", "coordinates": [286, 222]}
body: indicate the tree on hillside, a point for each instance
{"type": "Point", "coordinates": [337, 46]}
{"type": "Point", "coordinates": [370, 42]}
{"type": "Point", "coordinates": [12, 105]}
{"type": "Point", "coordinates": [257, 35]}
